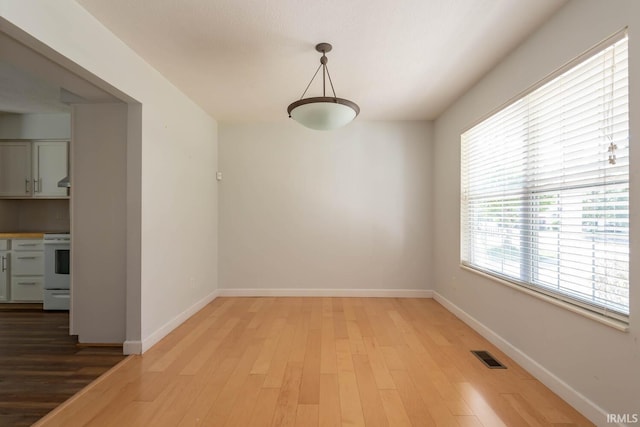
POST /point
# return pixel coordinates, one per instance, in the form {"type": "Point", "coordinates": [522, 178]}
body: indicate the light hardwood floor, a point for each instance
{"type": "Point", "coordinates": [317, 362]}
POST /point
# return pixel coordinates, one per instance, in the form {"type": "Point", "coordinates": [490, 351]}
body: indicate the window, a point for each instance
{"type": "Point", "coordinates": [545, 186]}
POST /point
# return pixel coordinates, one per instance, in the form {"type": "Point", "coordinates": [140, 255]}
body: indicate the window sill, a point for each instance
{"type": "Point", "coordinates": [613, 323]}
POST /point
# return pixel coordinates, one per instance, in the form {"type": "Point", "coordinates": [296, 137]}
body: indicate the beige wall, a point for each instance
{"type": "Point", "coordinates": [595, 367]}
{"type": "Point", "coordinates": [320, 211]}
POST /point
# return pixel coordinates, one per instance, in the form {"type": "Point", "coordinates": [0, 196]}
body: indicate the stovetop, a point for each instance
{"type": "Point", "coordinates": [65, 236]}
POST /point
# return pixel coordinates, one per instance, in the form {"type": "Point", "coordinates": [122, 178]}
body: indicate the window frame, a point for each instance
{"type": "Point", "coordinates": [611, 318]}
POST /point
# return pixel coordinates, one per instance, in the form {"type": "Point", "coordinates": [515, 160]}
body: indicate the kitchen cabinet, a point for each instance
{"type": "Point", "coordinates": [32, 169]}
{"type": "Point", "coordinates": [27, 263]}
{"type": "Point", "coordinates": [27, 289]}
{"type": "Point", "coordinates": [27, 270]}
{"type": "Point", "coordinates": [49, 167]}
{"type": "Point", "coordinates": [15, 164]}
{"type": "Point", "coordinates": [27, 245]}
{"type": "Point", "coordinates": [4, 270]}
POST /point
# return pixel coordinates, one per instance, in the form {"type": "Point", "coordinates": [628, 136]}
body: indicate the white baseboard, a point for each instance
{"type": "Point", "coordinates": [152, 339]}
{"type": "Point", "coordinates": [582, 404]}
{"type": "Point", "coordinates": [132, 347]}
{"type": "Point", "coordinates": [361, 293]}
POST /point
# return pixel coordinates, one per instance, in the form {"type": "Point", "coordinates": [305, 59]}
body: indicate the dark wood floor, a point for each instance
{"type": "Point", "coordinates": [41, 365]}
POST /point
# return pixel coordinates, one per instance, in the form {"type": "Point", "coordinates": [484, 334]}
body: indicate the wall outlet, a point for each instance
{"type": "Point", "coordinates": [219, 176]}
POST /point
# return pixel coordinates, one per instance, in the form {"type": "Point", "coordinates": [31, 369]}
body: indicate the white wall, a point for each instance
{"type": "Point", "coordinates": [179, 215]}
{"type": "Point", "coordinates": [309, 210]}
{"type": "Point", "coordinates": [98, 212]}
{"type": "Point", "coordinates": [35, 126]}
{"type": "Point", "coordinates": [173, 239]}
{"type": "Point", "coordinates": [594, 367]}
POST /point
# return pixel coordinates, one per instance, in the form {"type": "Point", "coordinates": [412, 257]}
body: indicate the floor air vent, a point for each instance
{"type": "Point", "coordinates": [486, 358]}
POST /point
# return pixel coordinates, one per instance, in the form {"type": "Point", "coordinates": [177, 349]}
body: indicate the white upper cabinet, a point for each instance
{"type": "Point", "coordinates": [49, 167]}
{"type": "Point", "coordinates": [15, 169]}
{"type": "Point", "coordinates": [33, 169]}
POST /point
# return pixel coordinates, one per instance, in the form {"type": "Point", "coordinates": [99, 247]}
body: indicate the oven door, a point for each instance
{"type": "Point", "coordinates": [56, 266]}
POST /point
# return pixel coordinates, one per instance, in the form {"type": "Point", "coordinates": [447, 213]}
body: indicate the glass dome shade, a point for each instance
{"type": "Point", "coordinates": [323, 113]}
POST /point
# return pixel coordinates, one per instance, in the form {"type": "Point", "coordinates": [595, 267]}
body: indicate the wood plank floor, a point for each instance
{"type": "Point", "coordinates": [317, 362]}
{"type": "Point", "coordinates": [40, 364]}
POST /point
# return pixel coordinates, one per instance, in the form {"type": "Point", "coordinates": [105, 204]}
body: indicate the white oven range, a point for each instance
{"type": "Point", "coordinates": [56, 271]}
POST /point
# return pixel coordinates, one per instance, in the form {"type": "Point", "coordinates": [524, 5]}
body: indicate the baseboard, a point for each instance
{"type": "Point", "coordinates": [581, 403]}
{"type": "Point", "coordinates": [152, 339]}
{"type": "Point", "coordinates": [361, 293]}
{"type": "Point", "coordinates": [132, 347]}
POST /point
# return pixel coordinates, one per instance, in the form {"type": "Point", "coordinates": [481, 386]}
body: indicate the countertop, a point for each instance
{"type": "Point", "coordinates": [21, 235]}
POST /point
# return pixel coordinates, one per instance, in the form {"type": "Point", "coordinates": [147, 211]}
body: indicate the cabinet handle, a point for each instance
{"type": "Point", "coordinates": [4, 265]}
{"type": "Point", "coordinates": [26, 257]}
{"type": "Point", "coordinates": [28, 244]}
{"type": "Point", "coordinates": [27, 283]}
{"type": "Point", "coordinates": [27, 181]}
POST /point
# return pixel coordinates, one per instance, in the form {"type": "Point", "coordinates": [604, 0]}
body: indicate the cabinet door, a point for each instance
{"type": "Point", "coordinates": [15, 169]}
{"type": "Point", "coordinates": [49, 166]}
{"type": "Point", "coordinates": [4, 275]}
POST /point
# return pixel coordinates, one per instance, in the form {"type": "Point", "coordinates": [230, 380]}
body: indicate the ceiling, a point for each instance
{"type": "Point", "coordinates": [246, 60]}
{"type": "Point", "coordinates": [24, 93]}
{"type": "Point", "coordinates": [31, 83]}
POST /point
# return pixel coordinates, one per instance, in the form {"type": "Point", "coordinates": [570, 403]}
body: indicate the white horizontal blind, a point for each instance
{"type": "Point", "coordinates": [545, 187]}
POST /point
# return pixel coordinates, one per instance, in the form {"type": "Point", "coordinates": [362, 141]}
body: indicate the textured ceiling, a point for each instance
{"type": "Point", "coordinates": [245, 60]}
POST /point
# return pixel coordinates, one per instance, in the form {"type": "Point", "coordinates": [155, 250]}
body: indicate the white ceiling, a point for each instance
{"type": "Point", "coordinates": [31, 83]}
{"type": "Point", "coordinates": [246, 60]}
{"type": "Point", "coordinates": [24, 93]}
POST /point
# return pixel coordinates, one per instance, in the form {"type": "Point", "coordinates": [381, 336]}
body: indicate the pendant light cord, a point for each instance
{"type": "Point", "coordinates": [314, 76]}
{"type": "Point", "coordinates": [330, 82]}
{"type": "Point", "coordinates": [325, 71]}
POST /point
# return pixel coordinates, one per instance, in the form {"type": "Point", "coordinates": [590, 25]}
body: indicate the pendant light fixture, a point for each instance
{"type": "Point", "coordinates": [323, 112]}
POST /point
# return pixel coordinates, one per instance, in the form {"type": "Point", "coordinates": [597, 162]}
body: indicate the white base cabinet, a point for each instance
{"type": "Point", "coordinates": [4, 270]}
{"type": "Point", "coordinates": [27, 288]}
{"type": "Point", "coordinates": [27, 263]}
{"type": "Point", "coordinates": [22, 275]}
